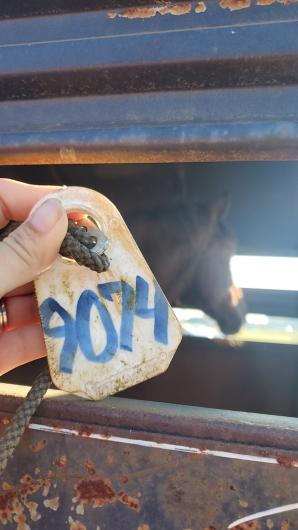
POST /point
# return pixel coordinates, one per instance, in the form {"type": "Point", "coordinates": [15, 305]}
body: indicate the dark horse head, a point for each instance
{"type": "Point", "coordinates": [188, 246]}
{"type": "Point", "coordinates": [211, 287]}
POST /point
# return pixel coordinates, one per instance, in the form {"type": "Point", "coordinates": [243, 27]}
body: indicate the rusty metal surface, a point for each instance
{"type": "Point", "coordinates": [167, 419]}
{"type": "Point", "coordinates": [143, 466]}
{"type": "Point", "coordinates": [138, 83]}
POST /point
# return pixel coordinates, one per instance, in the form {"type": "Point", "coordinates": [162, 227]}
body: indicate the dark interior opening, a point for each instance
{"type": "Point", "coordinates": [251, 376]}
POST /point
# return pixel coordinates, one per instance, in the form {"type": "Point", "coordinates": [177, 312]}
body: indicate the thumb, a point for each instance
{"type": "Point", "coordinates": [33, 246]}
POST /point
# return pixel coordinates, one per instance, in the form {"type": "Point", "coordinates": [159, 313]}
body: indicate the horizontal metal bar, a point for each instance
{"type": "Point", "coordinates": [217, 57]}
{"type": "Point", "coordinates": [161, 109]}
{"type": "Point", "coordinates": [185, 142]}
{"type": "Point", "coordinates": [166, 419]}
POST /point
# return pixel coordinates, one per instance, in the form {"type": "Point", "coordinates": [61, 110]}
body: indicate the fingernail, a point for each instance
{"type": "Point", "coordinates": [44, 218]}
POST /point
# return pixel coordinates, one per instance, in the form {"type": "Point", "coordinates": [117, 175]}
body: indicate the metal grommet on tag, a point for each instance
{"type": "Point", "coordinates": [104, 332]}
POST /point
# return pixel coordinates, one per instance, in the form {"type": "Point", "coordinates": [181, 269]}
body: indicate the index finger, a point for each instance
{"type": "Point", "coordinates": [17, 199]}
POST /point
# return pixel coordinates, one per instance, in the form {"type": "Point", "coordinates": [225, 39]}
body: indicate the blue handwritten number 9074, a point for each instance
{"type": "Point", "coordinates": [76, 332]}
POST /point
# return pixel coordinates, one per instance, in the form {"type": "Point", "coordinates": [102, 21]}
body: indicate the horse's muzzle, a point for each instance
{"type": "Point", "coordinates": [231, 323]}
{"type": "Point", "coordinates": [230, 316]}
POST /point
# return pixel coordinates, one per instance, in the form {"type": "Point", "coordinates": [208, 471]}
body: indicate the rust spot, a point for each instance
{"type": "Point", "coordinates": [285, 461]}
{"type": "Point", "coordinates": [60, 461]}
{"type": "Point", "coordinates": [90, 467]}
{"type": "Point", "coordinates": [144, 527]}
{"type": "Point", "coordinates": [253, 525]}
{"type": "Point", "coordinates": [112, 14]}
{"type": "Point", "coordinates": [177, 9]}
{"type": "Point", "coordinates": [14, 500]}
{"type": "Point", "coordinates": [150, 12]}
{"type": "Point", "coordinates": [11, 509]}
{"type": "Point", "coordinates": [6, 500]}
{"type": "Point", "coordinates": [54, 425]}
{"type": "Point", "coordinates": [132, 502]}
{"type": "Point", "coordinates": [285, 525]}
{"type": "Point", "coordinates": [270, 2]}
{"type": "Point", "coordinates": [99, 493]}
{"type": "Point", "coordinates": [6, 486]}
{"type": "Point", "coordinates": [38, 446]}
{"type": "Point", "coordinates": [200, 7]}
{"type": "Point", "coordinates": [26, 479]}
{"type": "Point", "coordinates": [210, 528]}
{"type": "Point", "coordinates": [106, 434]}
{"type": "Point", "coordinates": [232, 488]}
{"type": "Point", "coordinates": [76, 525]}
{"type": "Point", "coordinates": [95, 492]}
{"type": "Point", "coordinates": [139, 12]}
{"type": "Point", "coordinates": [235, 5]}
{"type": "Point", "coordinates": [85, 431]}
{"type": "Point", "coordinates": [53, 504]}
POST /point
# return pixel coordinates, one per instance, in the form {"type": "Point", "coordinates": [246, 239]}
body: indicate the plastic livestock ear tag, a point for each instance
{"type": "Point", "coordinates": [104, 332]}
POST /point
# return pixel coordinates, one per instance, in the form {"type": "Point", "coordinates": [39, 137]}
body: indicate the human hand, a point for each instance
{"type": "Point", "coordinates": [24, 254]}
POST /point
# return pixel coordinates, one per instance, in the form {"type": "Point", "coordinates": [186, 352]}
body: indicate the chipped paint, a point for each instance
{"type": "Point", "coordinates": [139, 12]}
{"type": "Point", "coordinates": [269, 524]}
{"type": "Point", "coordinates": [265, 2]}
{"type": "Point", "coordinates": [177, 9]}
{"type": "Point", "coordinates": [270, 2]}
{"type": "Point", "coordinates": [149, 12]}
{"type": "Point", "coordinates": [53, 503]}
{"type": "Point", "coordinates": [76, 525]}
{"type": "Point", "coordinates": [285, 525]}
{"type": "Point", "coordinates": [187, 7]}
{"type": "Point", "coordinates": [112, 14]}
{"type": "Point", "coordinates": [243, 504]}
{"type": "Point", "coordinates": [32, 508]}
{"type": "Point", "coordinates": [235, 5]}
{"type": "Point", "coordinates": [14, 501]}
{"type": "Point", "coordinates": [200, 7]}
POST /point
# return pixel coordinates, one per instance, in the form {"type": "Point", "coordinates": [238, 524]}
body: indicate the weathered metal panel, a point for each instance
{"type": "Point", "coordinates": [132, 465]}
{"type": "Point", "coordinates": [139, 83]}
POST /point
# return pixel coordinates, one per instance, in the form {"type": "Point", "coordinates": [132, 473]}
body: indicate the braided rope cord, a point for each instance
{"type": "Point", "coordinates": [76, 245]}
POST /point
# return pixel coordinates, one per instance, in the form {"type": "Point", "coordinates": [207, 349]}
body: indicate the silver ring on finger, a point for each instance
{"type": "Point", "coordinates": [3, 316]}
